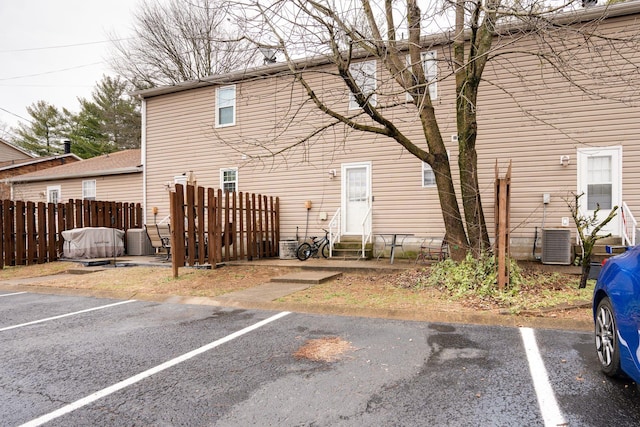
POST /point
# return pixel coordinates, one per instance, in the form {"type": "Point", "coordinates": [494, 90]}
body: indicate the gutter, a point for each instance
{"type": "Point", "coordinates": [90, 174]}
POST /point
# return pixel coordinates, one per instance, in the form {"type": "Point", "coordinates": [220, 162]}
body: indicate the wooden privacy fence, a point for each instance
{"type": "Point", "coordinates": [31, 233]}
{"type": "Point", "coordinates": [211, 226]}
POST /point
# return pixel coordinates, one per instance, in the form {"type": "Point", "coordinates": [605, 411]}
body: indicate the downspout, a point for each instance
{"type": "Point", "coordinates": [143, 154]}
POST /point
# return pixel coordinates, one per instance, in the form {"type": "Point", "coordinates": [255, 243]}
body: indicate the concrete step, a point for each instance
{"type": "Point", "coordinates": [351, 253]}
{"type": "Point", "coordinates": [309, 277]}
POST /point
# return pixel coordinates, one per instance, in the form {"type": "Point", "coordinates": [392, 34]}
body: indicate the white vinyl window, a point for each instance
{"type": "Point", "coordinates": [229, 180]}
{"type": "Point", "coordinates": [428, 175]}
{"type": "Point", "coordinates": [54, 194]}
{"type": "Point", "coordinates": [599, 183]}
{"type": "Point", "coordinates": [89, 189]}
{"type": "Point", "coordinates": [430, 67]}
{"type": "Point", "coordinates": [226, 106]}
{"type": "Point", "coordinates": [364, 74]}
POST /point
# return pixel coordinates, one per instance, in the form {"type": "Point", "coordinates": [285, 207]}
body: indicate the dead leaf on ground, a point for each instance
{"type": "Point", "coordinates": [328, 349]}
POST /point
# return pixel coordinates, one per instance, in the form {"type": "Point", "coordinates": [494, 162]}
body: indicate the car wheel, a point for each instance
{"type": "Point", "coordinates": [606, 338]}
{"type": "Point", "coordinates": [303, 252]}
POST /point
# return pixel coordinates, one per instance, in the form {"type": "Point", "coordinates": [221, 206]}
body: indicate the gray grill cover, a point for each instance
{"type": "Point", "coordinates": [93, 242]}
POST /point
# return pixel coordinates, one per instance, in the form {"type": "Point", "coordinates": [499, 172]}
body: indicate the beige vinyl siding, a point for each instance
{"type": "Point", "coordinates": [8, 153]}
{"type": "Point", "coordinates": [544, 119]}
{"type": "Point", "coordinates": [117, 188]}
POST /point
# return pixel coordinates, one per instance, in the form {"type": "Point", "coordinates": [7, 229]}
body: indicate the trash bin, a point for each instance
{"type": "Point", "coordinates": [288, 248]}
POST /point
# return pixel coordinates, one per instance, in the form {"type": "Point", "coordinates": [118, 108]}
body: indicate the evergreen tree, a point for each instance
{"type": "Point", "coordinates": [115, 113]}
{"type": "Point", "coordinates": [108, 121]}
{"type": "Point", "coordinates": [42, 136]}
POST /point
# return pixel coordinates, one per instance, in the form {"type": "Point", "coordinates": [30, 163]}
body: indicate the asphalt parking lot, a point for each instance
{"type": "Point", "coordinates": [71, 361]}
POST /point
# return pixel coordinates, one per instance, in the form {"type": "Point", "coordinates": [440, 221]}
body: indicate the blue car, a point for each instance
{"type": "Point", "coordinates": [616, 313]}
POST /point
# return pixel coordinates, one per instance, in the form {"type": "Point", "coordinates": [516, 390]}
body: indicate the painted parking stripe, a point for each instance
{"type": "Point", "coordinates": [66, 315]}
{"type": "Point", "coordinates": [146, 374]}
{"type": "Point", "coordinates": [551, 413]}
{"type": "Point", "coordinates": [14, 293]}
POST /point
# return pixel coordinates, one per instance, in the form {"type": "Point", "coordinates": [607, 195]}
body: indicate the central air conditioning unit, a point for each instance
{"type": "Point", "coordinates": [556, 246]}
{"type": "Point", "coordinates": [138, 242]}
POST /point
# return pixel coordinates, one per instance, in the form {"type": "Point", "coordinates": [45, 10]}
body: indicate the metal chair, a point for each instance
{"type": "Point", "coordinates": [432, 249]}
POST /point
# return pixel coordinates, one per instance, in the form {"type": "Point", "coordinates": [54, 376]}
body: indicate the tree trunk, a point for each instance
{"type": "Point", "coordinates": [586, 268]}
{"type": "Point", "coordinates": [454, 227]}
{"type": "Point", "coordinates": [468, 164]}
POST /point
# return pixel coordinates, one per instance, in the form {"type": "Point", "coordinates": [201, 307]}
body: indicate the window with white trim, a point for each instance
{"type": "Point", "coordinates": [89, 189]}
{"type": "Point", "coordinates": [54, 194]}
{"type": "Point", "coordinates": [364, 73]}
{"type": "Point", "coordinates": [229, 180]}
{"type": "Point", "coordinates": [226, 106]}
{"type": "Point", "coordinates": [430, 67]}
{"type": "Point", "coordinates": [599, 182]}
{"type": "Point", "coordinates": [428, 175]}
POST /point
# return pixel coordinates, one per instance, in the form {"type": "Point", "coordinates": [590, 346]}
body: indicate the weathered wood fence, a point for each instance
{"type": "Point", "coordinates": [212, 226]}
{"type": "Point", "coordinates": [31, 233]}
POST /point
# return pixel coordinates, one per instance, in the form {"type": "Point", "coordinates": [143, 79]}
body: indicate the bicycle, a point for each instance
{"type": "Point", "coordinates": [306, 250]}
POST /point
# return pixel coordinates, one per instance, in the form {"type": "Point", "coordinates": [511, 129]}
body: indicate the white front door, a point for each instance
{"type": "Point", "coordinates": [600, 180]}
{"type": "Point", "coordinates": [356, 198]}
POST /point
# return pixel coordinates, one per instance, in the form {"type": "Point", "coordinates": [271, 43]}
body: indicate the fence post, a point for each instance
{"type": "Point", "coordinates": [32, 248]}
{"type": "Point", "coordinates": [8, 208]}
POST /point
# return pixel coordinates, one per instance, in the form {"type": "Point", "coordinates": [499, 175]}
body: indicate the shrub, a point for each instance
{"type": "Point", "coordinates": [473, 277]}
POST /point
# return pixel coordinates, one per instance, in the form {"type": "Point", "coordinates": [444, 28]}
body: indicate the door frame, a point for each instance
{"type": "Point", "coordinates": [616, 180]}
{"type": "Point", "coordinates": [343, 196]}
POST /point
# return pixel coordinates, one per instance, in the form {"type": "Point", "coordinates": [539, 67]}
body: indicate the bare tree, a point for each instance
{"type": "Point", "coordinates": [181, 40]}
{"type": "Point", "coordinates": [565, 41]}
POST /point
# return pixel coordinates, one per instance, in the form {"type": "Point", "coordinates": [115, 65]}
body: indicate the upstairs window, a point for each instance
{"type": "Point", "coordinates": [430, 67]}
{"type": "Point", "coordinates": [229, 180]}
{"type": "Point", "coordinates": [225, 106]}
{"type": "Point", "coordinates": [364, 74]}
{"type": "Point", "coordinates": [89, 189]}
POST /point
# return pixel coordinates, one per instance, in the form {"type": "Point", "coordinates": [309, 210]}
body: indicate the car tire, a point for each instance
{"type": "Point", "coordinates": [606, 338]}
{"type": "Point", "coordinates": [304, 251]}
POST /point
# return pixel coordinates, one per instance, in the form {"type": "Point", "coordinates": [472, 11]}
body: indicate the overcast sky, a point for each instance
{"type": "Point", "coordinates": [55, 50]}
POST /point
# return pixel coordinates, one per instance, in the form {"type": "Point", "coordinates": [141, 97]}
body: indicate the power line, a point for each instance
{"type": "Point", "coordinates": [14, 114]}
{"type": "Point", "coordinates": [30, 49]}
{"type": "Point", "coordinates": [51, 72]}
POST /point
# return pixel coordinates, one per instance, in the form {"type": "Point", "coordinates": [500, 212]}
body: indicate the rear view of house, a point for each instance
{"type": "Point", "coordinates": [256, 131]}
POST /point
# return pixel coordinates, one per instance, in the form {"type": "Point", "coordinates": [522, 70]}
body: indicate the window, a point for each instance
{"type": "Point", "coordinates": [225, 106]}
{"type": "Point", "coordinates": [428, 176]}
{"type": "Point", "coordinates": [54, 194]}
{"type": "Point", "coordinates": [430, 67]}
{"type": "Point", "coordinates": [364, 74]}
{"type": "Point", "coordinates": [599, 183]}
{"type": "Point", "coordinates": [89, 189]}
{"type": "Point", "coordinates": [229, 180]}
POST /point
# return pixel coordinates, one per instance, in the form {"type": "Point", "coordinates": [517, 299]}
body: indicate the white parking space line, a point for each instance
{"type": "Point", "coordinates": [141, 376]}
{"type": "Point", "coordinates": [551, 413]}
{"type": "Point", "coordinates": [14, 293]}
{"type": "Point", "coordinates": [65, 315]}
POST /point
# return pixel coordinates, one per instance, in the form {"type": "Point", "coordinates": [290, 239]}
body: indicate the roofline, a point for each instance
{"type": "Point", "coordinates": [39, 160]}
{"type": "Point", "coordinates": [20, 149]}
{"type": "Point", "coordinates": [606, 11]}
{"type": "Point", "coordinates": [89, 174]}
